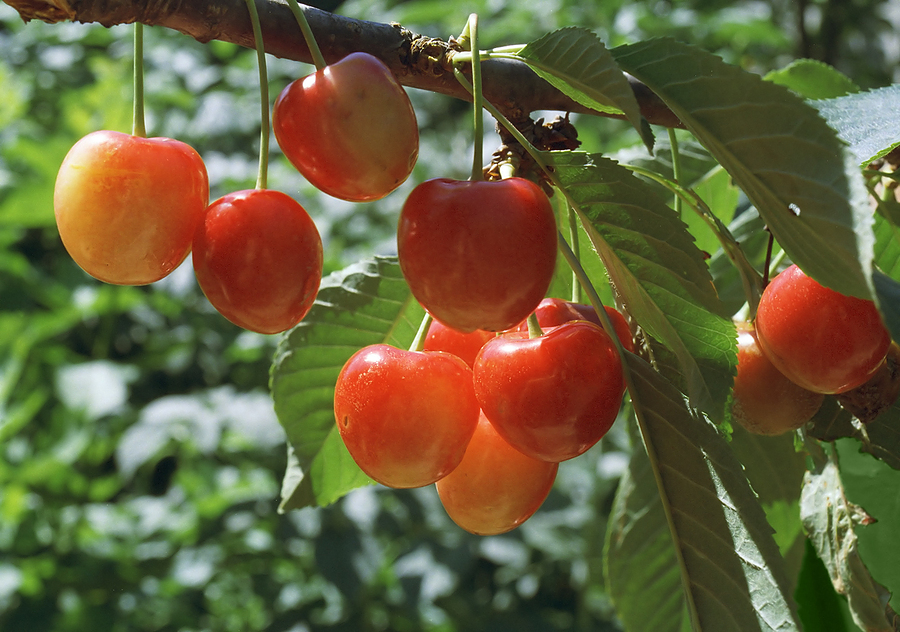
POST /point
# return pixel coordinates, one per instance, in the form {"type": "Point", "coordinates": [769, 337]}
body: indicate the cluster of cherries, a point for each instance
{"type": "Point", "coordinates": [130, 209]}
{"type": "Point", "coordinates": [489, 406]}
{"type": "Point", "coordinates": [807, 341]}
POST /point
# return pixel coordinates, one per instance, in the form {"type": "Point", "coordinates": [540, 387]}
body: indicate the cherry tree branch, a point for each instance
{"type": "Point", "coordinates": [418, 61]}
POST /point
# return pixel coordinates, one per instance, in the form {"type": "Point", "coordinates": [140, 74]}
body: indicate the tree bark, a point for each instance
{"type": "Point", "coordinates": [418, 61]}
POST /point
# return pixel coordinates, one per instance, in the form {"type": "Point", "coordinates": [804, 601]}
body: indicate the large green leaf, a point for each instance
{"type": "Point", "coordinates": [781, 153]}
{"type": "Point", "coordinates": [659, 273]}
{"type": "Point", "coordinates": [575, 61]}
{"type": "Point", "coordinates": [366, 303]}
{"type": "Point", "coordinates": [731, 571]}
{"type": "Point", "coordinates": [866, 120]}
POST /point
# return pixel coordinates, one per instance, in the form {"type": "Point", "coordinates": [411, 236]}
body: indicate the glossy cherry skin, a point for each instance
{"type": "Point", "coordinates": [495, 488]}
{"type": "Point", "coordinates": [258, 259]}
{"type": "Point", "coordinates": [554, 396]}
{"type": "Point", "coordinates": [478, 255]}
{"type": "Point", "coordinates": [406, 417]}
{"type": "Point", "coordinates": [127, 206]}
{"type": "Point", "coordinates": [349, 128]}
{"type": "Point", "coordinates": [555, 311]}
{"type": "Point", "coordinates": [465, 346]}
{"type": "Point", "coordinates": [823, 340]}
{"type": "Point", "coordinates": [765, 401]}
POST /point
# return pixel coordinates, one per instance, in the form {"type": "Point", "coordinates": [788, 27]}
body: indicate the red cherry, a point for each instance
{"type": "Point", "coordinates": [823, 340]}
{"type": "Point", "coordinates": [554, 396]}
{"type": "Point", "coordinates": [495, 488]}
{"type": "Point", "coordinates": [349, 128]}
{"type": "Point", "coordinates": [258, 259]}
{"type": "Point", "coordinates": [765, 401]}
{"type": "Point", "coordinates": [555, 311]}
{"type": "Point", "coordinates": [465, 346]}
{"type": "Point", "coordinates": [478, 255]}
{"type": "Point", "coordinates": [127, 206]}
{"type": "Point", "coordinates": [406, 417]}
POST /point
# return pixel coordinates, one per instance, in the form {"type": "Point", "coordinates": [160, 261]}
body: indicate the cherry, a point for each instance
{"type": "Point", "coordinates": [465, 346]}
{"type": "Point", "coordinates": [823, 340]}
{"type": "Point", "coordinates": [765, 401]}
{"type": "Point", "coordinates": [349, 128]}
{"type": "Point", "coordinates": [555, 311]}
{"type": "Point", "coordinates": [478, 254]}
{"type": "Point", "coordinates": [258, 259]}
{"type": "Point", "coordinates": [406, 417]}
{"type": "Point", "coordinates": [495, 488]}
{"type": "Point", "coordinates": [127, 206]}
{"type": "Point", "coordinates": [553, 396]}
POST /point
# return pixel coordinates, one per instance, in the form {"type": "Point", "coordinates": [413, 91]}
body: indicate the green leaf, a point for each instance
{"type": "Point", "coordinates": [658, 272]}
{"type": "Point", "coordinates": [866, 120]}
{"type": "Point", "coordinates": [865, 480]}
{"type": "Point", "coordinates": [831, 523]}
{"type": "Point", "coordinates": [813, 79]}
{"type": "Point", "coordinates": [790, 163]}
{"type": "Point", "coordinates": [819, 606]}
{"type": "Point", "coordinates": [577, 63]}
{"type": "Point", "coordinates": [730, 566]}
{"type": "Point", "coordinates": [366, 303]}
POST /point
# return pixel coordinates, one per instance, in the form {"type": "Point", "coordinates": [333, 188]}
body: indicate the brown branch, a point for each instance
{"type": "Point", "coordinates": [417, 61]}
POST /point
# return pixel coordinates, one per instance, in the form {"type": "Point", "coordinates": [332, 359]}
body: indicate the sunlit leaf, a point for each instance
{"type": "Point", "coordinates": [866, 120]}
{"type": "Point", "coordinates": [575, 61]}
{"type": "Point", "coordinates": [366, 303]}
{"type": "Point", "coordinates": [790, 163]}
{"type": "Point", "coordinates": [658, 272]}
{"type": "Point", "coordinates": [730, 566]}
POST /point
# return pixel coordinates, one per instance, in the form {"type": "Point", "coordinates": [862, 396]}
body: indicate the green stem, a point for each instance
{"type": "Point", "coordinates": [676, 167]}
{"type": "Point", "coordinates": [419, 341]}
{"type": "Point", "coordinates": [534, 327]}
{"type": "Point", "coordinates": [261, 178]}
{"type": "Point", "coordinates": [593, 297]}
{"type": "Point", "coordinates": [311, 43]}
{"type": "Point", "coordinates": [138, 127]}
{"type": "Point", "coordinates": [576, 250]}
{"type": "Point", "coordinates": [469, 37]}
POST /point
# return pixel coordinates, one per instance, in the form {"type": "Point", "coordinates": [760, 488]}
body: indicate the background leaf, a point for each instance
{"type": "Point", "coordinates": [734, 573]}
{"type": "Point", "coordinates": [366, 303]}
{"type": "Point", "coordinates": [813, 79]}
{"type": "Point", "coordinates": [575, 61]}
{"type": "Point", "coordinates": [658, 272]}
{"type": "Point", "coordinates": [779, 152]}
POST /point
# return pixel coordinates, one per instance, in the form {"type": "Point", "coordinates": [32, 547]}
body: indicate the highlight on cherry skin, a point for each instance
{"type": "Point", "coordinates": [495, 488]}
{"type": "Point", "coordinates": [258, 258]}
{"type": "Point", "coordinates": [478, 254]}
{"type": "Point", "coordinates": [764, 401]}
{"type": "Point", "coordinates": [822, 340]}
{"type": "Point", "coordinates": [127, 206]}
{"type": "Point", "coordinates": [349, 128]}
{"type": "Point", "coordinates": [406, 417]}
{"type": "Point", "coordinates": [554, 396]}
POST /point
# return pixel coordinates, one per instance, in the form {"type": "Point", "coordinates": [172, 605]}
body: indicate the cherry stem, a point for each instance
{"type": "Point", "coordinates": [676, 167]}
{"type": "Point", "coordinates": [311, 43]}
{"type": "Point", "coordinates": [534, 327]}
{"type": "Point", "coordinates": [261, 178]}
{"type": "Point", "coordinates": [418, 342]}
{"type": "Point", "coordinates": [594, 298]}
{"type": "Point", "coordinates": [768, 261]}
{"type": "Point", "coordinates": [469, 38]}
{"type": "Point", "coordinates": [138, 127]}
{"type": "Point", "coordinates": [576, 250]}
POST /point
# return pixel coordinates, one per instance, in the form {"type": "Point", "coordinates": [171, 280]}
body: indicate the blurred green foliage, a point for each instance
{"type": "Point", "coordinates": [140, 459]}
